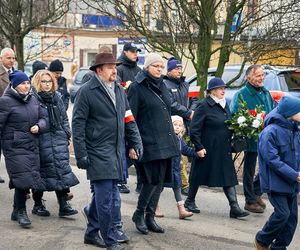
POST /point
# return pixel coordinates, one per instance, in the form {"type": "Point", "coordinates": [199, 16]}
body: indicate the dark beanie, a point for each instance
{"type": "Point", "coordinates": [56, 66]}
{"type": "Point", "coordinates": [17, 77]}
{"type": "Point", "coordinates": [173, 63]}
{"type": "Point", "coordinates": [288, 106]}
{"type": "Point", "coordinates": [38, 65]}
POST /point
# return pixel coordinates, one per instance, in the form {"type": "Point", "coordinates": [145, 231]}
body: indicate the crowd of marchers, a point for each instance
{"type": "Point", "coordinates": [125, 115]}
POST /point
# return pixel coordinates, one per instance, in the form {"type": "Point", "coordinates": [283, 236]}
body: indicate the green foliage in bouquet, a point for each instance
{"type": "Point", "coordinates": [245, 122]}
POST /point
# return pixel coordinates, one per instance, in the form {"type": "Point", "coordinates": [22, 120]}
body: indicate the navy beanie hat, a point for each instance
{"type": "Point", "coordinates": [17, 77]}
{"type": "Point", "coordinates": [38, 65]}
{"type": "Point", "coordinates": [288, 106]}
{"type": "Point", "coordinates": [56, 66]}
{"type": "Point", "coordinates": [173, 63]}
{"type": "Point", "coordinates": [215, 82]}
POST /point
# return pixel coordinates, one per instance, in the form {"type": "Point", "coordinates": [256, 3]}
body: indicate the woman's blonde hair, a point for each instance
{"type": "Point", "coordinates": [37, 78]}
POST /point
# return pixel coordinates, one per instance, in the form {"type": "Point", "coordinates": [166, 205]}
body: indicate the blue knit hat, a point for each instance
{"type": "Point", "coordinates": [216, 82]}
{"type": "Point", "coordinates": [173, 63]}
{"type": "Point", "coordinates": [288, 106]}
{"type": "Point", "coordinates": [17, 77]}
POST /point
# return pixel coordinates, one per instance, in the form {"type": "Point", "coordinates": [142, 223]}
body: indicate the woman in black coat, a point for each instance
{"type": "Point", "coordinates": [19, 125]}
{"type": "Point", "coordinates": [54, 151]}
{"type": "Point", "coordinates": [210, 134]}
{"type": "Point", "coordinates": [151, 106]}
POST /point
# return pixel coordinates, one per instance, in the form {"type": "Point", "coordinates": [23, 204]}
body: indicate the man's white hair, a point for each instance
{"type": "Point", "coordinates": [5, 50]}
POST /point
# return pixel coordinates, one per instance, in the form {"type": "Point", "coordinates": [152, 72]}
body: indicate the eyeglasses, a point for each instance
{"type": "Point", "coordinates": [45, 81]}
{"type": "Point", "coordinates": [157, 66]}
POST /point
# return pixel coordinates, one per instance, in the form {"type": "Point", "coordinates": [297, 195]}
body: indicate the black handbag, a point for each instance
{"type": "Point", "coordinates": [238, 144]}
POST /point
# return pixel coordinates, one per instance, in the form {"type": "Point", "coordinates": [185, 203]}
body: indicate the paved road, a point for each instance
{"type": "Point", "coordinates": [212, 229]}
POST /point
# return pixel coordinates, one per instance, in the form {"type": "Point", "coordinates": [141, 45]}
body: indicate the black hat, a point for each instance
{"type": "Point", "coordinates": [38, 65]}
{"type": "Point", "coordinates": [132, 47]}
{"type": "Point", "coordinates": [56, 66]}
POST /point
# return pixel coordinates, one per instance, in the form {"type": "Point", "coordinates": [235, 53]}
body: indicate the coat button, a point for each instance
{"type": "Point", "coordinates": [169, 134]}
{"type": "Point", "coordinates": [165, 108]}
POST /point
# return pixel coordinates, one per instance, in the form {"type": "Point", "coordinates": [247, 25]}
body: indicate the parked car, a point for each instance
{"type": "Point", "coordinates": [77, 82]}
{"type": "Point", "coordinates": [278, 80]}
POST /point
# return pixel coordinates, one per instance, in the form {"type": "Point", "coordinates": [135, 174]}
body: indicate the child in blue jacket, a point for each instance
{"type": "Point", "coordinates": [279, 166]}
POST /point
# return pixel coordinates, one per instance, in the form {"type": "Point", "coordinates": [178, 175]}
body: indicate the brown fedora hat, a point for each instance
{"type": "Point", "coordinates": [104, 58]}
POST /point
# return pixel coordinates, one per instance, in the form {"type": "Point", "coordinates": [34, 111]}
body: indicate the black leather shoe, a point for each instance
{"type": "Point", "coordinates": [1, 180]}
{"type": "Point", "coordinates": [23, 218]}
{"type": "Point", "coordinates": [152, 225]}
{"type": "Point", "coordinates": [116, 247]}
{"type": "Point", "coordinates": [123, 189]}
{"type": "Point", "coordinates": [65, 208]}
{"type": "Point", "coordinates": [139, 220]}
{"type": "Point", "coordinates": [95, 240]}
{"type": "Point", "coordinates": [40, 210]}
{"type": "Point", "coordinates": [237, 213]}
{"type": "Point", "coordinates": [191, 207]}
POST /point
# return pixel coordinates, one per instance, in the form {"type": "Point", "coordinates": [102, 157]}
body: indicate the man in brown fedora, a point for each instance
{"type": "Point", "coordinates": [101, 121]}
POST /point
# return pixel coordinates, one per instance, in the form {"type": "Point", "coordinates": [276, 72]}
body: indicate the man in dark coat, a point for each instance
{"type": "Point", "coordinates": [8, 59]}
{"type": "Point", "coordinates": [57, 68]}
{"type": "Point", "coordinates": [101, 116]}
{"type": "Point", "coordinates": [254, 94]}
{"type": "Point", "coordinates": [179, 92]}
{"type": "Point", "coordinates": [127, 71]}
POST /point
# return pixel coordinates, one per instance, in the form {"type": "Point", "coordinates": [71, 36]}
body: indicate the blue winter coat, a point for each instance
{"type": "Point", "coordinates": [176, 168]}
{"type": "Point", "coordinates": [21, 147]}
{"type": "Point", "coordinates": [278, 155]}
{"type": "Point", "coordinates": [252, 97]}
{"type": "Point", "coordinates": [54, 151]}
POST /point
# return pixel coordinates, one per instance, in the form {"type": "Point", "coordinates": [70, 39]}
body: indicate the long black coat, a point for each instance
{"type": "Point", "coordinates": [209, 131]}
{"type": "Point", "coordinates": [98, 130]}
{"type": "Point", "coordinates": [54, 151]}
{"type": "Point", "coordinates": [21, 147]}
{"type": "Point", "coordinates": [152, 111]}
{"type": "Point", "coordinates": [63, 89]}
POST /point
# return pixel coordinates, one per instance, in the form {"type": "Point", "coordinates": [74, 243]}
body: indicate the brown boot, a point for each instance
{"type": "Point", "coordinates": [158, 212]}
{"type": "Point", "coordinates": [258, 246]}
{"type": "Point", "coordinates": [254, 208]}
{"type": "Point", "coordinates": [261, 202]}
{"type": "Point", "coordinates": [182, 211]}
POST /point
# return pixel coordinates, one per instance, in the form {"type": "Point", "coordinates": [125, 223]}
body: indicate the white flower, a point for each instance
{"type": "Point", "coordinates": [256, 123]}
{"type": "Point", "coordinates": [241, 119]}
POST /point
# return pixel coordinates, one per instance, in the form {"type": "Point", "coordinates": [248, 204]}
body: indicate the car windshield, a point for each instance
{"type": "Point", "coordinates": [292, 79]}
{"type": "Point", "coordinates": [79, 76]}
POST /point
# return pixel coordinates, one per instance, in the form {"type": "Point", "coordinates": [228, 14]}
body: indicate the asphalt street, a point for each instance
{"type": "Point", "coordinates": [212, 229]}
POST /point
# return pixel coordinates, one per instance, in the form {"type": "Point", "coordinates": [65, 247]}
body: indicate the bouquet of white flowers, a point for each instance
{"type": "Point", "coordinates": [245, 124]}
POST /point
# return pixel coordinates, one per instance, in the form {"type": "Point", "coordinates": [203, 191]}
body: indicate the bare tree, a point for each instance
{"type": "Point", "coordinates": [188, 28]}
{"type": "Point", "coordinates": [19, 17]}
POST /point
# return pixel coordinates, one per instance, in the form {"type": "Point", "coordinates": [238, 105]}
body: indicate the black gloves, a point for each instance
{"type": "Point", "coordinates": [83, 162]}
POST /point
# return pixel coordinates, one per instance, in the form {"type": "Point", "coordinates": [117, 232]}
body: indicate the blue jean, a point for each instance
{"type": "Point", "coordinates": [280, 228]}
{"type": "Point", "coordinates": [104, 206]}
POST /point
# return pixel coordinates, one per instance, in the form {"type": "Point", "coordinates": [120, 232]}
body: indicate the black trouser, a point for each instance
{"type": "Point", "coordinates": [251, 188]}
{"type": "Point", "coordinates": [38, 195]}
{"type": "Point", "coordinates": [193, 189]}
{"type": "Point", "coordinates": [20, 198]}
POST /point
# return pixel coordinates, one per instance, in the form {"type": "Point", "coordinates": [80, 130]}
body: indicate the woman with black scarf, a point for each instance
{"type": "Point", "coordinates": [20, 124]}
{"type": "Point", "coordinates": [150, 103]}
{"type": "Point", "coordinates": [54, 151]}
